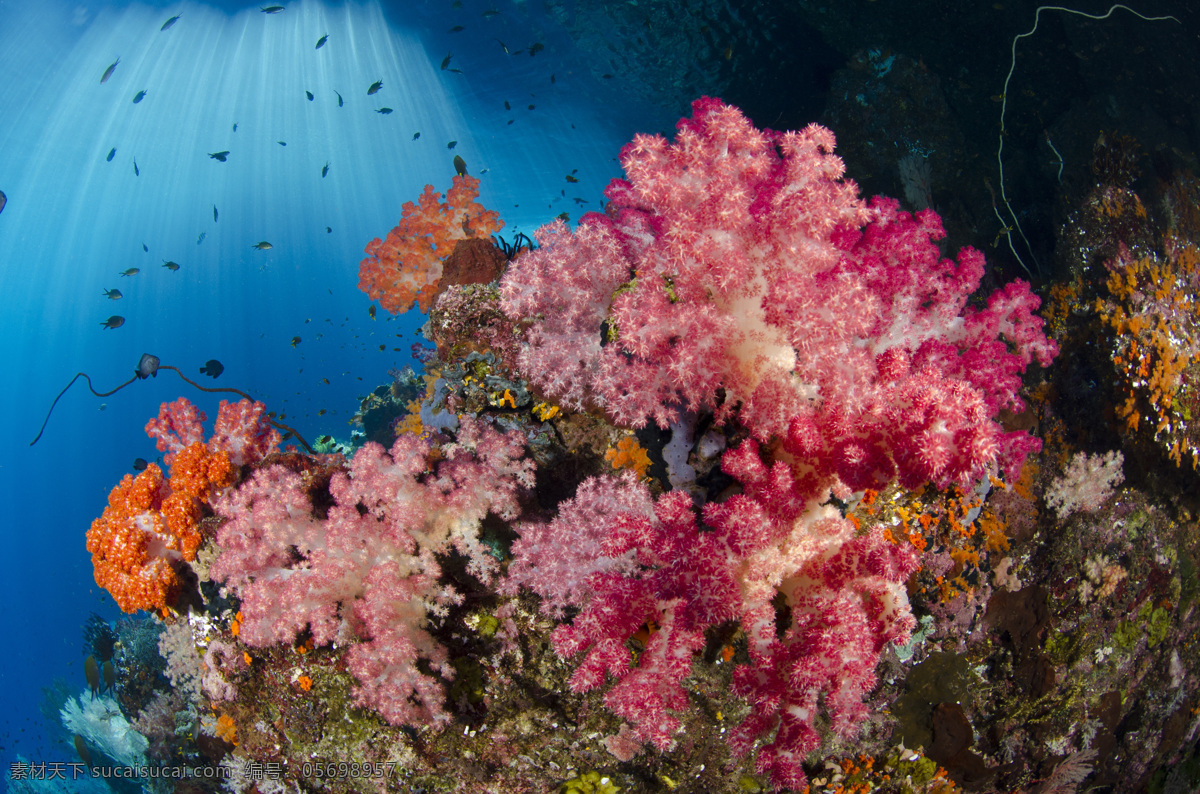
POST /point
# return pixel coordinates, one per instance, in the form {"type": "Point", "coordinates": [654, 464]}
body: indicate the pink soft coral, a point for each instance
{"type": "Point", "coordinates": [366, 574]}
{"type": "Point", "coordinates": [735, 270]}
{"type": "Point", "coordinates": [407, 266]}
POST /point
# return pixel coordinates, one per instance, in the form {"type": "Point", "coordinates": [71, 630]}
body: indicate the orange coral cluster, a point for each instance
{"type": "Point", "coordinates": [407, 266]}
{"type": "Point", "coordinates": [628, 454]}
{"type": "Point", "coordinates": [1153, 309]}
{"type": "Point", "coordinates": [149, 524]}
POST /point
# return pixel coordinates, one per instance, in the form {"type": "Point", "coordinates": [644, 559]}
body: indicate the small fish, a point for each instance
{"type": "Point", "coordinates": [219, 156]}
{"type": "Point", "coordinates": [324, 170]}
{"type": "Point", "coordinates": [531, 107]}
{"type": "Point", "coordinates": [109, 71]}
{"type": "Point", "coordinates": [329, 230]}
{"type": "Point", "coordinates": [457, 29]}
{"type": "Point", "coordinates": [339, 96]}
{"type": "Point", "coordinates": [167, 25]}
{"type": "Point", "coordinates": [571, 179]}
{"type": "Point", "coordinates": [491, 12]}
{"type": "Point", "coordinates": [139, 96]}
{"type": "Point", "coordinates": [263, 246]}
{"type": "Point", "coordinates": [295, 341]}
{"type": "Point", "coordinates": [116, 321]}
{"type": "Point", "coordinates": [321, 41]}
{"type": "Point", "coordinates": [452, 144]}
{"type": "Point", "coordinates": [271, 9]}
{"type": "Point", "coordinates": [133, 271]}
{"type": "Point", "coordinates": [564, 217]}
{"type": "Point", "coordinates": [136, 172]}
{"type": "Point", "coordinates": [456, 71]}
{"type": "Point", "coordinates": [503, 46]}
{"type": "Point", "coordinates": [144, 248]}
{"type": "Point", "coordinates": [235, 126]}
{"type": "Point", "coordinates": [416, 135]}
{"type": "Point", "coordinates": [212, 368]}
{"type": "Point", "coordinates": [384, 111]}
{"type": "Point", "coordinates": [309, 95]}
{"type": "Point", "coordinates": [551, 78]}
{"type": "Point", "coordinates": [321, 412]}
{"type": "Point", "coordinates": [214, 213]}
{"type": "Point", "coordinates": [200, 239]}
{"type": "Point", "coordinates": [460, 165]}
{"type": "Point", "coordinates": [140, 464]}
{"type": "Point", "coordinates": [375, 86]}
{"type": "Point", "coordinates": [446, 60]}
{"type": "Point", "coordinates": [535, 48]}
{"type": "Point", "coordinates": [281, 143]}
{"type": "Point", "coordinates": [113, 294]}
{"type": "Point", "coordinates": [371, 311]}
{"type": "Point", "coordinates": [172, 266]}
{"type": "Point", "coordinates": [111, 154]}
{"type": "Point", "coordinates": [507, 106]}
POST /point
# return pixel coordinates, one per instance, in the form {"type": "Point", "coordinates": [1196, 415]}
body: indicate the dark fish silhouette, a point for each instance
{"type": "Point", "coordinates": [263, 246]}
{"type": "Point", "coordinates": [371, 311]}
{"type": "Point", "coordinates": [214, 213]}
{"type": "Point", "coordinates": [136, 172]}
{"type": "Point", "coordinates": [329, 230]}
{"type": "Point", "coordinates": [111, 154]}
{"type": "Point", "coordinates": [452, 144]}
{"type": "Point", "coordinates": [200, 239]}
{"type": "Point", "coordinates": [416, 135]}
{"type": "Point", "coordinates": [309, 95]}
{"type": "Point", "coordinates": [172, 266]}
{"type": "Point", "coordinates": [235, 126]}
{"type": "Point", "coordinates": [144, 248]}
{"type": "Point", "coordinates": [321, 41]}
{"type": "Point", "coordinates": [295, 341]}
{"type": "Point", "coordinates": [490, 13]}
{"type": "Point", "coordinates": [133, 271]}
{"type": "Point", "coordinates": [535, 48]}
{"type": "Point", "coordinates": [140, 464]}
{"type": "Point", "coordinates": [116, 321]}
{"type": "Point", "coordinates": [139, 96]}
{"type": "Point", "coordinates": [446, 60]}
{"type": "Point", "coordinates": [375, 86]}
{"type": "Point", "coordinates": [281, 143]}
{"type": "Point", "coordinates": [571, 179]}
{"type": "Point", "coordinates": [339, 96]}
{"type": "Point", "coordinates": [507, 106]}
{"type": "Point", "coordinates": [324, 170]}
{"type": "Point", "coordinates": [113, 294]}
{"type": "Point", "coordinates": [3, 200]}
{"type": "Point", "coordinates": [212, 368]}
{"type": "Point", "coordinates": [219, 155]}
{"type": "Point", "coordinates": [170, 22]}
{"type": "Point", "coordinates": [108, 72]}
{"type": "Point", "coordinates": [384, 110]}
{"type": "Point", "coordinates": [460, 165]}
{"type": "Point", "coordinates": [503, 46]}
{"type": "Point", "coordinates": [271, 9]}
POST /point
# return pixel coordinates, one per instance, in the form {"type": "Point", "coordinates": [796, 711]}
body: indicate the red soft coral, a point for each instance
{"type": "Point", "coordinates": [406, 266]}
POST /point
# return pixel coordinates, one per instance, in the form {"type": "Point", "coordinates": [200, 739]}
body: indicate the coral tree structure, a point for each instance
{"type": "Point", "coordinates": [406, 266]}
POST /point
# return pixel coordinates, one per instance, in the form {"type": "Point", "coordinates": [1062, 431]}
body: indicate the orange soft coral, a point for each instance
{"type": "Point", "coordinates": [406, 267]}
{"type": "Point", "coordinates": [149, 524]}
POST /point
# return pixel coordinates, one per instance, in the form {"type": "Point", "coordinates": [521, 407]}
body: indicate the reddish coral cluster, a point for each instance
{"type": "Point", "coordinates": [406, 267]}
{"type": "Point", "coordinates": [149, 524]}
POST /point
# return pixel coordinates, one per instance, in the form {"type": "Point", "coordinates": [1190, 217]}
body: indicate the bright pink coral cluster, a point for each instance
{"type": "Point", "coordinates": [736, 270]}
{"type": "Point", "coordinates": [242, 431]}
{"type": "Point", "coordinates": [366, 573]}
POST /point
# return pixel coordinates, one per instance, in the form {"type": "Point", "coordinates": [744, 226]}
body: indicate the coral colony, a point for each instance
{"type": "Point", "coordinates": [654, 513]}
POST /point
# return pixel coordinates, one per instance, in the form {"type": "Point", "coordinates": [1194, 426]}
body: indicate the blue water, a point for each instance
{"type": "Point", "coordinates": [74, 221]}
